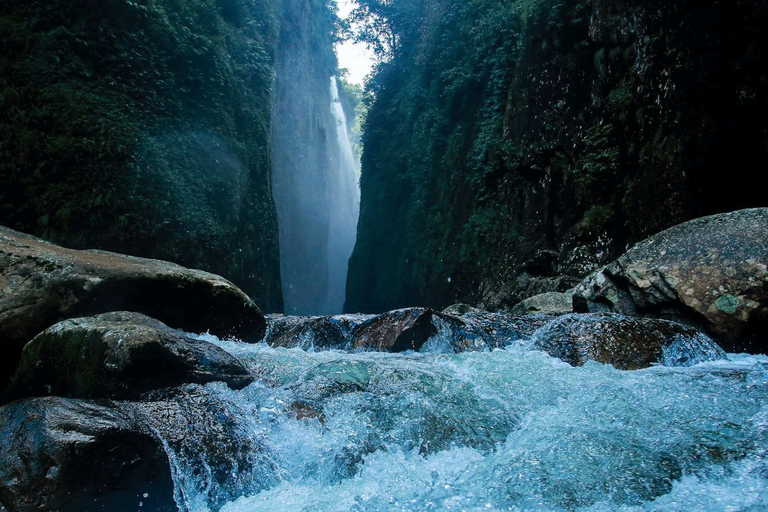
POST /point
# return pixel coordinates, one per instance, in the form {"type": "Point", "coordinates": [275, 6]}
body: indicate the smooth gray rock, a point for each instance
{"type": "Point", "coordinates": [119, 355]}
{"type": "Point", "coordinates": [550, 303]}
{"type": "Point", "coordinates": [711, 272]}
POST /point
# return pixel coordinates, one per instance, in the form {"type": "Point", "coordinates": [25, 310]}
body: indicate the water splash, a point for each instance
{"type": "Point", "coordinates": [506, 429]}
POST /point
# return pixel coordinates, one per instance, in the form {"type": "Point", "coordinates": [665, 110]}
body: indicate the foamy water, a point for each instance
{"type": "Point", "coordinates": [498, 430]}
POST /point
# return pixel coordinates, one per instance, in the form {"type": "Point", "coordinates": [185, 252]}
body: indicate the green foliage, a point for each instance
{"type": "Point", "coordinates": [94, 99]}
{"type": "Point", "coordinates": [599, 167]}
{"type": "Point", "coordinates": [434, 141]}
{"type": "Point", "coordinates": [481, 230]}
{"type": "Point", "coordinates": [351, 96]}
{"type": "Point", "coordinates": [498, 129]}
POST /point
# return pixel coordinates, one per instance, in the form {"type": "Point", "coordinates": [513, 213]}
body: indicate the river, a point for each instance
{"type": "Point", "coordinates": [503, 430]}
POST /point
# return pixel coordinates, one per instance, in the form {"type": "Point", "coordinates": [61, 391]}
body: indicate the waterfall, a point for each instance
{"type": "Point", "coordinates": [345, 207]}
{"type": "Point", "coordinates": [316, 191]}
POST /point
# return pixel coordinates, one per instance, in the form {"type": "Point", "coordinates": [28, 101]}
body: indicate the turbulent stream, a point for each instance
{"type": "Point", "coordinates": [507, 429]}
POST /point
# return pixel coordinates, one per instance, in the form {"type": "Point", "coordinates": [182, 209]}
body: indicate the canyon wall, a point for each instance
{"type": "Point", "coordinates": [511, 149]}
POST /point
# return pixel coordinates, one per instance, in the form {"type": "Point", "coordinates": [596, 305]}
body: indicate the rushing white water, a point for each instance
{"type": "Point", "coordinates": [344, 208]}
{"type": "Point", "coordinates": [508, 429]}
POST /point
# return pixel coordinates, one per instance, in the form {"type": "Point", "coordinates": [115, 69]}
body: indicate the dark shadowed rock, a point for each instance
{"type": "Point", "coordinates": [212, 440]}
{"type": "Point", "coordinates": [410, 329]}
{"type": "Point", "coordinates": [550, 302]}
{"type": "Point", "coordinates": [78, 456]}
{"type": "Point", "coordinates": [395, 331]}
{"type": "Point", "coordinates": [711, 272]}
{"type": "Point", "coordinates": [41, 284]}
{"type": "Point", "coordinates": [319, 332]}
{"type": "Point", "coordinates": [626, 343]}
{"type": "Point", "coordinates": [119, 355]}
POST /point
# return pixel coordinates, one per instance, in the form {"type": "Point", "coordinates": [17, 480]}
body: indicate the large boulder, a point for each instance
{"type": "Point", "coordinates": [42, 283]}
{"type": "Point", "coordinates": [70, 455]}
{"type": "Point", "coordinates": [627, 343]}
{"type": "Point", "coordinates": [118, 355]}
{"type": "Point", "coordinates": [711, 272]}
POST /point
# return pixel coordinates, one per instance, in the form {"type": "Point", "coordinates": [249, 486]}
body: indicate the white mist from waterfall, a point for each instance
{"type": "Point", "coordinates": [345, 207]}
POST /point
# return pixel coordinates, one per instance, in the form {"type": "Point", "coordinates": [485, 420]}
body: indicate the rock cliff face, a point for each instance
{"type": "Point", "coordinates": [142, 127]}
{"type": "Point", "coordinates": [513, 148]}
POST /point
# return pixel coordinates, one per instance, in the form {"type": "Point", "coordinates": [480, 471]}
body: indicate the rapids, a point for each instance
{"type": "Point", "coordinates": [507, 429]}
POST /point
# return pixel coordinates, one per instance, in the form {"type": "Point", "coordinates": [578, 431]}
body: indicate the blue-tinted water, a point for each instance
{"type": "Point", "coordinates": [500, 430]}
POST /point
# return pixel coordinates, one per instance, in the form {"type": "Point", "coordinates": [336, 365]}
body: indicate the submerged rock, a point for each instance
{"type": "Point", "coordinates": [626, 343]}
{"type": "Point", "coordinates": [461, 309]}
{"type": "Point", "coordinates": [42, 283]}
{"type": "Point", "coordinates": [70, 455]}
{"type": "Point", "coordinates": [496, 329]}
{"type": "Point", "coordinates": [119, 355]}
{"type": "Point", "coordinates": [711, 272]}
{"type": "Point", "coordinates": [320, 332]}
{"type": "Point", "coordinates": [211, 439]}
{"type": "Point", "coordinates": [428, 330]}
{"type": "Point", "coordinates": [317, 332]}
{"type": "Point", "coordinates": [395, 331]}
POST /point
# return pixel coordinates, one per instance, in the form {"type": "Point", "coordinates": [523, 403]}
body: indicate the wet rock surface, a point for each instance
{"type": "Point", "coordinates": [119, 355]}
{"type": "Point", "coordinates": [313, 332]}
{"type": "Point", "coordinates": [711, 272]}
{"type": "Point", "coordinates": [42, 283]}
{"type": "Point", "coordinates": [72, 455]}
{"type": "Point", "coordinates": [395, 331]}
{"type": "Point", "coordinates": [626, 343]}
{"type": "Point", "coordinates": [483, 329]}
{"type": "Point", "coordinates": [206, 432]}
{"type": "Point", "coordinates": [458, 328]}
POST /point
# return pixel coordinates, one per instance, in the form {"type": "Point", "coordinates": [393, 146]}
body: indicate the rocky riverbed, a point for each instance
{"type": "Point", "coordinates": [140, 385]}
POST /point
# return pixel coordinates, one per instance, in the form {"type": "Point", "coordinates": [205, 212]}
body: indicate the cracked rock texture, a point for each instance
{"type": "Point", "coordinates": [710, 272]}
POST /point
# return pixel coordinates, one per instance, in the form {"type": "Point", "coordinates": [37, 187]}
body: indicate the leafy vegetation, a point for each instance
{"type": "Point", "coordinates": [499, 131]}
{"type": "Point", "coordinates": [142, 127]}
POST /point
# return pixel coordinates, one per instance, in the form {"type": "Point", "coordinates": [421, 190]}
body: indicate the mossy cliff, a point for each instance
{"type": "Point", "coordinates": [142, 127]}
{"type": "Point", "coordinates": [511, 147]}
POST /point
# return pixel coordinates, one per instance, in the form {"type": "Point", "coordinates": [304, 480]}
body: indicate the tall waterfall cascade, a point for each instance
{"type": "Point", "coordinates": [345, 207]}
{"type": "Point", "coordinates": [315, 186]}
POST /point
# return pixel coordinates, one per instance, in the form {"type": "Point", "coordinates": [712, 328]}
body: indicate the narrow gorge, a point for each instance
{"type": "Point", "coordinates": [523, 268]}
